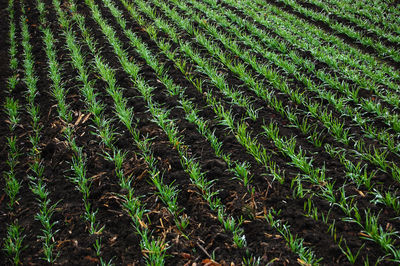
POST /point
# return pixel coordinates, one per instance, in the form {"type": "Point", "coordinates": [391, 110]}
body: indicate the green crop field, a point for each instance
{"type": "Point", "coordinates": [200, 132]}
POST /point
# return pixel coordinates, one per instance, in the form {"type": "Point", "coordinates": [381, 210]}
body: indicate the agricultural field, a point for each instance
{"type": "Point", "coordinates": [200, 132]}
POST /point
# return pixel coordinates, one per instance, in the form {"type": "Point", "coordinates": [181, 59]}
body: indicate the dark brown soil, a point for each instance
{"type": "Point", "coordinates": [346, 38]}
{"type": "Point", "coordinates": [205, 238]}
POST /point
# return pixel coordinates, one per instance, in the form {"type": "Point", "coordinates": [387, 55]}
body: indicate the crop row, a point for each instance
{"type": "Point", "coordinates": [300, 124]}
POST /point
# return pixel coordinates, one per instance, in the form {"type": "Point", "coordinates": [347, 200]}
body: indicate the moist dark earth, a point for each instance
{"type": "Point", "coordinates": [205, 238]}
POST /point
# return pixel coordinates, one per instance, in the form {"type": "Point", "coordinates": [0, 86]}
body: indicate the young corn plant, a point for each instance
{"type": "Point", "coordinates": [288, 148]}
{"type": "Point", "coordinates": [312, 212]}
{"type": "Point", "coordinates": [352, 258]}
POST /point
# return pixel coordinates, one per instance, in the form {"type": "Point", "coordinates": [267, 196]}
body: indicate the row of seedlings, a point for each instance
{"type": "Point", "coordinates": [351, 17]}
{"type": "Point", "coordinates": [293, 118]}
{"type": "Point", "coordinates": [12, 244]}
{"type": "Point", "coordinates": [338, 103]}
{"type": "Point", "coordinates": [153, 249]}
{"type": "Point", "coordinates": [372, 132]}
{"type": "Point", "coordinates": [240, 169]}
{"type": "Point", "coordinates": [167, 193]}
{"type": "Point", "coordinates": [389, 97]}
{"type": "Point", "coordinates": [369, 224]}
{"type": "Point", "coordinates": [13, 50]}
{"type": "Point", "coordinates": [380, 14]}
{"type": "Point", "coordinates": [254, 149]}
{"type": "Point", "coordinates": [79, 159]}
{"type": "Point", "coordinates": [160, 117]}
{"type": "Point", "coordinates": [292, 115]}
{"type": "Point", "coordinates": [303, 125]}
{"type": "Point", "coordinates": [353, 171]}
{"type": "Point", "coordinates": [335, 126]}
{"type": "Point", "coordinates": [380, 48]}
{"type": "Point", "coordinates": [318, 40]}
{"type": "Point", "coordinates": [11, 108]}
{"type": "Point", "coordinates": [38, 185]}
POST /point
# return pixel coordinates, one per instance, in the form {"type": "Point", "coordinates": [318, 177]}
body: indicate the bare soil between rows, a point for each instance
{"type": "Point", "coordinates": [120, 243]}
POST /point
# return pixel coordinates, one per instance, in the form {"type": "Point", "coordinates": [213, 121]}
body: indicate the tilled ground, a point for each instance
{"type": "Point", "coordinates": [205, 237]}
